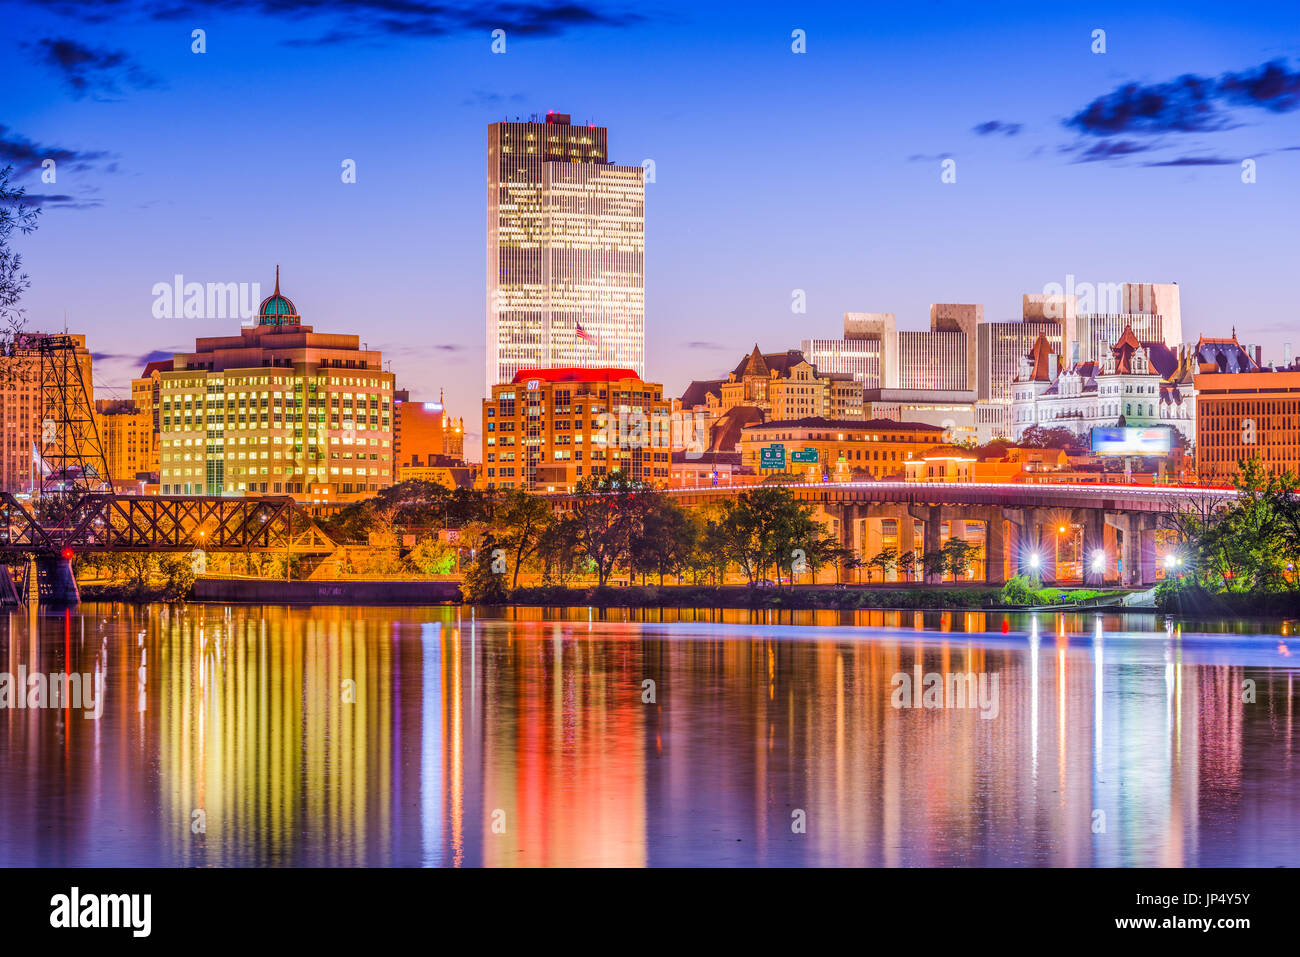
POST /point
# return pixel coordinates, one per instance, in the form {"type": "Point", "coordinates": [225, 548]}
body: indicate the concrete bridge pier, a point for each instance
{"type": "Point", "coordinates": [932, 516]}
{"type": "Point", "coordinates": [56, 585]}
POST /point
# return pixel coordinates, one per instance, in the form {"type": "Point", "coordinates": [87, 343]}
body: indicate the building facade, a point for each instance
{"type": "Point", "coordinates": [21, 409]}
{"type": "Point", "coordinates": [1137, 384]}
{"type": "Point", "coordinates": [846, 449]}
{"type": "Point", "coordinates": [777, 385]}
{"type": "Point", "coordinates": [952, 410]}
{"type": "Point", "coordinates": [1244, 411]}
{"type": "Point", "coordinates": [127, 437]}
{"type": "Point", "coordinates": [565, 250]}
{"type": "Point", "coordinates": [277, 409]}
{"type": "Point", "coordinates": [880, 356]}
{"type": "Point", "coordinates": [551, 428]}
{"type": "Point", "coordinates": [424, 435]}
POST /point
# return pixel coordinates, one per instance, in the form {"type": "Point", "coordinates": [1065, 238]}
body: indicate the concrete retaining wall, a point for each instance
{"type": "Point", "coordinates": [262, 591]}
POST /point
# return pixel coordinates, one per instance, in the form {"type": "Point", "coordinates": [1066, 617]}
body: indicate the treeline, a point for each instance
{"type": "Point", "coordinates": [1241, 549]}
{"type": "Point", "coordinates": [617, 531]}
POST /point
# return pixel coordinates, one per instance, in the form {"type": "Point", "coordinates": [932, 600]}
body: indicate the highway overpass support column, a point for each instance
{"type": "Point", "coordinates": [995, 547]}
{"type": "Point", "coordinates": [1094, 544]}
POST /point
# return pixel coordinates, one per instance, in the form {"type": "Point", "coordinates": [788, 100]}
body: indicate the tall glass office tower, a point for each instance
{"type": "Point", "coordinates": [565, 250]}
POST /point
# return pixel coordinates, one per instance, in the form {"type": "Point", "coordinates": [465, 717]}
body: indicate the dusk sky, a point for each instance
{"type": "Point", "coordinates": [775, 171]}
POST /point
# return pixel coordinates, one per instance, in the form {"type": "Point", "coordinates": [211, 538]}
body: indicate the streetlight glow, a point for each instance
{"type": "Point", "coordinates": [1099, 561]}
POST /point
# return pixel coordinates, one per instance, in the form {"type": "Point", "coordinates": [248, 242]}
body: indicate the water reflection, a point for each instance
{"type": "Point", "coordinates": [361, 736]}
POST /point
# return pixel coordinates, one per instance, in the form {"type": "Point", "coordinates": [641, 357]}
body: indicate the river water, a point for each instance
{"type": "Point", "coordinates": [271, 736]}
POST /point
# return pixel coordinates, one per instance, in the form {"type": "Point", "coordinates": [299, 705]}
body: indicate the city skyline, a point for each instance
{"type": "Point", "coordinates": [746, 208]}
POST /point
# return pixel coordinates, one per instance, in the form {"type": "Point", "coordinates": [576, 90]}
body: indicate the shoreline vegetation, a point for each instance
{"type": "Point", "coordinates": [1236, 556]}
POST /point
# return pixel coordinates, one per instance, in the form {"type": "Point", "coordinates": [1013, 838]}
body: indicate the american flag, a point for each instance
{"type": "Point", "coordinates": [582, 333]}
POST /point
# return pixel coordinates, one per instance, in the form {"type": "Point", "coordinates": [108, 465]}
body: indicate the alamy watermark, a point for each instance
{"type": "Point", "coordinates": [934, 690]}
{"type": "Point", "coordinates": [659, 430]}
{"type": "Point", "coordinates": [214, 300]}
{"type": "Point", "coordinates": [37, 690]}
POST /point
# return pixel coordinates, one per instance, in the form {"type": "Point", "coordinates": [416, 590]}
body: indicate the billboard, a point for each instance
{"type": "Point", "coordinates": [1131, 440]}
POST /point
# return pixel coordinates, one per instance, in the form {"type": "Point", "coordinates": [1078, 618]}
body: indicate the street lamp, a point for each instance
{"type": "Point", "coordinates": [1099, 561]}
{"type": "Point", "coordinates": [1034, 560]}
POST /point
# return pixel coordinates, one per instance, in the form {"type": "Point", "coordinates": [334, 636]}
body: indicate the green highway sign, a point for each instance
{"type": "Point", "coordinates": [772, 457]}
{"type": "Point", "coordinates": [806, 457]}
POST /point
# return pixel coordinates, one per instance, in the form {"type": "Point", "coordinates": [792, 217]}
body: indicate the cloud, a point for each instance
{"type": "Point", "coordinates": [485, 98]}
{"type": "Point", "coordinates": [996, 126]}
{"type": "Point", "coordinates": [1196, 161]}
{"type": "Point", "coordinates": [59, 201]}
{"type": "Point", "coordinates": [701, 344]}
{"type": "Point", "coordinates": [928, 157]}
{"type": "Point", "coordinates": [450, 347]}
{"type": "Point", "coordinates": [1190, 103]}
{"type": "Point", "coordinates": [26, 156]}
{"type": "Point", "coordinates": [89, 70]}
{"type": "Point", "coordinates": [361, 19]}
{"type": "Point", "coordinates": [1107, 150]}
{"type": "Point", "coordinates": [1272, 87]}
{"type": "Point", "coordinates": [156, 355]}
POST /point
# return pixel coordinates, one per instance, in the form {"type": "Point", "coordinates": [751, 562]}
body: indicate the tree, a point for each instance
{"type": "Point", "coordinates": [432, 557]}
{"type": "Point", "coordinates": [907, 562]}
{"type": "Point", "coordinates": [761, 529]}
{"type": "Point", "coordinates": [524, 517]}
{"type": "Point", "coordinates": [934, 564]}
{"type": "Point", "coordinates": [17, 214]}
{"type": "Point", "coordinates": [959, 555]}
{"type": "Point", "coordinates": [606, 514]}
{"type": "Point", "coordinates": [557, 550]}
{"type": "Point", "coordinates": [886, 560]}
{"type": "Point", "coordinates": [820, 552]}
{"type": "Point", "coordinates": [484, 585]}
{"type": "Point", "coordinates": [1038, 437]}
{"type": "Point", "coordinates": [663, 540]}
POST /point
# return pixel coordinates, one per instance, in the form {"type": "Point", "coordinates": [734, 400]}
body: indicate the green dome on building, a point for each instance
{"type": "Point", "coordinates": [277, 310]}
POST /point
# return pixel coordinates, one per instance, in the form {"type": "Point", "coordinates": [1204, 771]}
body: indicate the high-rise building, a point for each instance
{"type": "Point", "coordinates": [880, 356]}
{"type": "Point", "coordinates": [126, 435]}
{"type": "Point", "coordinates": [277, 409]}
{"type": "Point", "coordinates": [565, 250]}
{"type": "Point", "coordinates": [551, 428]}
{"type": "Point", "coordinates": [21, 412]}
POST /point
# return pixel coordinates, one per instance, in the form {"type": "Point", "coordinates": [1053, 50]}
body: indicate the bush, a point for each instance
{"type": "Point", "coordinates": [1017, 591]}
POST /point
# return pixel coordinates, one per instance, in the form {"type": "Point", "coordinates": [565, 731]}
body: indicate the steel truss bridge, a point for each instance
{"type": "Point", "coordinates": [96, 522]}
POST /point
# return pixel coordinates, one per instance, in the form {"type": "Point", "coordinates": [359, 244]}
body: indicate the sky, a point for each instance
{"type": "Point", "coordinates": [775, 171]}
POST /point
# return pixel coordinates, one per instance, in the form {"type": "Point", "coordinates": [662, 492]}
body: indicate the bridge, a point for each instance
{"type": "Point", "coordinates": [101, 522]}
{"type": "Point", "coordinates": [77, 511]}
{"type": "Point", "coordinates": [1058, 532]}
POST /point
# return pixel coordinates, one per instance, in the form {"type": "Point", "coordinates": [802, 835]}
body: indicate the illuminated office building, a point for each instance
{"type": "Point", "coordinates": [565, 251]}
{"type": "Point", "coordinates": [551, 428]}
{"type": "Point", "coordinates": [277, 409]}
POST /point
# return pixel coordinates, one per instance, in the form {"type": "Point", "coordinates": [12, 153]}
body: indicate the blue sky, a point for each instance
{"type": "Point", "coordinates": [775, 171]}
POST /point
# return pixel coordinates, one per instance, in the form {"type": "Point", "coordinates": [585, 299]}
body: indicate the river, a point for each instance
{"type": "Point", "coordinates": [215, 735]}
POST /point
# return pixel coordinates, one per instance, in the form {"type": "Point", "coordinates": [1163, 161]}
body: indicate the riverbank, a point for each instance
{"type": "Point", "coordinates": [1192, 601]}
{"type": "Point", "coordinates": [910, 597]}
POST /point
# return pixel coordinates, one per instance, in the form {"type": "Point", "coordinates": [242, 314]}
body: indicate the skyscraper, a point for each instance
{"type": "Point", "coordinates": [565, 251]}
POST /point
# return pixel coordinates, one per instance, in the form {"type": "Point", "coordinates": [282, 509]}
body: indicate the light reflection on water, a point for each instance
{"type": "Point", "coordinates": [435, 736]}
